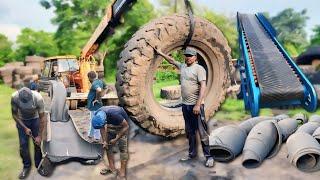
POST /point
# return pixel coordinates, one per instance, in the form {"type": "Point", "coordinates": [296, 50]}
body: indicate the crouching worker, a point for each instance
{"type": "Point", "coordinates": [113, 124]}
{"type": "Point", "coordinates": [27, 109]}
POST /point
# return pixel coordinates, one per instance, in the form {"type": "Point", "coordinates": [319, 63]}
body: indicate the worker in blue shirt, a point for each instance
{"type": "Point", "coordinates": [94, 102]}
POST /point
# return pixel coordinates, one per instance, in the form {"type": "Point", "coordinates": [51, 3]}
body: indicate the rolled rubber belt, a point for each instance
{"type": "Point", "coordinates": [276, 79]}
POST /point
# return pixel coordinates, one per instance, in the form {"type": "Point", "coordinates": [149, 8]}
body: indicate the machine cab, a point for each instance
{"type": "Point", "coordinates": [65, 68]}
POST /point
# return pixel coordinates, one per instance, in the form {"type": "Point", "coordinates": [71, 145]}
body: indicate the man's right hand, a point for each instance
{"type": "Point", "coordinates": [168, 58]}
{"type": "Point", "coordinates": [37, 140]}
{"type": "Point", "coordinates": [28, 131]}
{"type": "Point", "coordinates": [104, 145]}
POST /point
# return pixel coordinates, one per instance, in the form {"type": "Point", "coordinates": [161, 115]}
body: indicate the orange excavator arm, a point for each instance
{"type": "Point", "coordinates": [106, 28]}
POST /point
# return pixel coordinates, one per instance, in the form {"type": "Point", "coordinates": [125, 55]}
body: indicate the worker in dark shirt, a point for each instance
{"type": "Point", "coordinates": [113, 124]}
{"type": "Point", "coordinates": [27, 109]}
{"type": "Point", "coordinates": [94, 102]}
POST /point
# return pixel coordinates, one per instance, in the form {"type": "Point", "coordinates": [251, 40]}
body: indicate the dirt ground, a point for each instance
{"type": "Point", "coordinates": [152, 157]}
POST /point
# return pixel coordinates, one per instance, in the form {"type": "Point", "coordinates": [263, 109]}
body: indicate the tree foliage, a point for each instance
{"type": "Point", "coordinates": [227, 27]}
{"type": "Point", "coordinates": [76, 21]}
{"type": "Point", "coordinates": [141, 13]}
{"type": "Point", "coordinates": [5, 50]}
{"type": "Point", "coordinates": [171, 6]}
{"type": "Point", "coordinates": [31, 42]}
{"type": "Point", "coordinates": [315, 39]}
{"type": "Point", "coordinates": [290, 26]}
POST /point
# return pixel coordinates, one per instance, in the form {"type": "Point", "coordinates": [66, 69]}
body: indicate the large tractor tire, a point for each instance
{"type": "Point", "coordinates": [138, 64]}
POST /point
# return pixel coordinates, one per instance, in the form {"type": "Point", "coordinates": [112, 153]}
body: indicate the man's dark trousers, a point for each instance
{"type": "Point", "coordinates": [33, 125]}
{"type": "Point", "coordinates": [191, 126]}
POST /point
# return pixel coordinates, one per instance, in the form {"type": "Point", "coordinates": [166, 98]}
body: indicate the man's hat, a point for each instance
{"type": "Point", "coordinates": [190, 51]}
{"type": "Point", "coordinates": [99, 119]}
{"type": "Point", "coordinates": [25, 97]}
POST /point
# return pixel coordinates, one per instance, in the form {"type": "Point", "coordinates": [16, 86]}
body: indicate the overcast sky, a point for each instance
{"type": "Point", "coordinates": [18, 14]}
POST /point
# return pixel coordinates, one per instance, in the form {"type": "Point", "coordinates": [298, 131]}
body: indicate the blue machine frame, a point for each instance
{"type": "Point", "coordinates": [251, 93]}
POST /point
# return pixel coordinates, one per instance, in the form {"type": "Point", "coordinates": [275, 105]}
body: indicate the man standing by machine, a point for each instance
{"type": "Point", "coordinates": [27, 109]}
{"type": "Point", "coordinates": [193, 86]}
{"type": "Point", "coordinates": [94, 102]}
{"type": "Point", "coordinates": [113, 124]}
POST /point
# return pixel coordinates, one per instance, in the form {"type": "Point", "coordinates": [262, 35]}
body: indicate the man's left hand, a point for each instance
{"type": "Point", "coordinates": [37, 140]}
{"type": "Point", "coordinates": [96, 101]}
{"type": "Point", "coordinates": [196, 109]}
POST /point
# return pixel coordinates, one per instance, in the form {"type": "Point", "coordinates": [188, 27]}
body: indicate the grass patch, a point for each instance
{"type": "Point", "coordinates": [10, 161]}
{"type": "Point", "coordinates": [233, 109]}
{"type": "Point", "coordinates": [158, 85]}
{"type": "Point", "coordinates": [292, 112]}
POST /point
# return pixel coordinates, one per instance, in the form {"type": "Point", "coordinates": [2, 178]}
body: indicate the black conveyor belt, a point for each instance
{"type": "Point", "coordinates": [277, 81]}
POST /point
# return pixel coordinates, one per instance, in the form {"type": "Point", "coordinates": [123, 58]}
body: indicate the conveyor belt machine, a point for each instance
{"type": "Point", "coordinates": [269, 77]}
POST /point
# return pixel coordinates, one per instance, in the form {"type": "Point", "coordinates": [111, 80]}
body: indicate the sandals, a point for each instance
{"type": "Point", "coordinates": [106, 171]}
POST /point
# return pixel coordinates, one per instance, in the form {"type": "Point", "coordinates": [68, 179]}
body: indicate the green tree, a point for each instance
{"type": "Point", "coordinates": [227, 27]}
{"type": "Point", "coordinates": [32, 42]}
{"type": "Point", "coordinates": [225, 24]}
{"type": "Point", "coordinates": [5, 50]}
{"type": "Point", "coordinates": [171, 6]}
{"type": "Point", "coordinates": [141, 13]}
{"type": "Point", "coordinates": [315, 39]}
{"type": "Point", "coordinates": [76, 21]}
{"type": "Point", "coordinates": [290, 26]}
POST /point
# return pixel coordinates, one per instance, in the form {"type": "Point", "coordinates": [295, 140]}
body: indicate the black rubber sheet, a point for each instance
{"type": "Point", "coordinates": [64, 141]}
